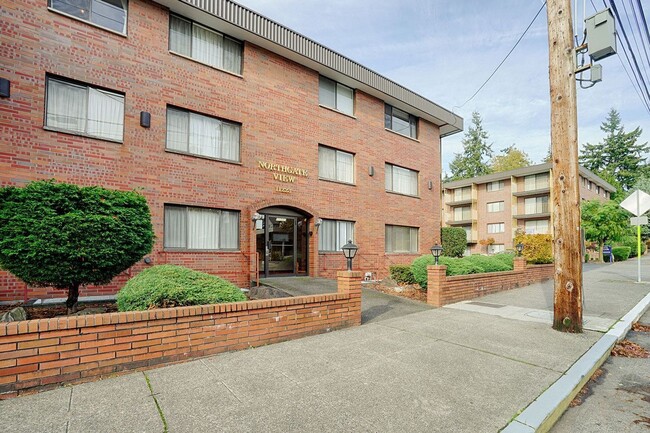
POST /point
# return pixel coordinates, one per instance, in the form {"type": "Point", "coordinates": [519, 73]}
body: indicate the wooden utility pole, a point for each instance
{"type": "Point", "coordinates": [567, 311]}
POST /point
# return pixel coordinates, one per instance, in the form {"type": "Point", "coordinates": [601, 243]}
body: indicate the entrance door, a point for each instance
{"type": "Point", "coordinates": [282, 245]}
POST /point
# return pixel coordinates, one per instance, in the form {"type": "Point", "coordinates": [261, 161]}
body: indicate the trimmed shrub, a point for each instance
{"type": "Point", "coordinates": [631, 241]}
{"type": "Point", "coordinates": [419, 269]}
{"type": "Point", "coordinates": [456, 266]}
{"type": "Point", "coordinates": [402, 274]}
{"type": "Point", "coordinates": [65, 236]}
{"type": "Point", "coordinates": [538, 249]}
{"type": "Point", "coordinates": [506, 258]}
{"type": "Point", "coordinates": [492, 263]}
{"type": "Point", "coordinates": [454, 241]}
{"type": "Point", "coordinates": [165, 286]}
{"type": "Point", "coordinates": [621, 253]}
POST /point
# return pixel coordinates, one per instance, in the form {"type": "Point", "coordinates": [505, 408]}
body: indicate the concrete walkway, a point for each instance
{"type": "Point", "coordinates": [375, 306]}
{"type": "Point", "coordinates": [438, 370]}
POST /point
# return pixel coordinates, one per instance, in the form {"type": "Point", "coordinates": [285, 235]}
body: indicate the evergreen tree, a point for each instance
{"type": "Point", "coordinates": [618, 156]}
{"type": "Point", "coordinates": [473, 160]}
{"type": "Point", "coordinates": [512, 158]}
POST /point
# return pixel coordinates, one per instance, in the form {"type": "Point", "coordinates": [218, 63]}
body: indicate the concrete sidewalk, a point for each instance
{"type": "Point", "coordinates": [444, 370]}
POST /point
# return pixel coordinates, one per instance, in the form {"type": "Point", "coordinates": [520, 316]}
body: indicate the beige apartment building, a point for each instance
{"type": "Point", "coordinates": [496, 205]}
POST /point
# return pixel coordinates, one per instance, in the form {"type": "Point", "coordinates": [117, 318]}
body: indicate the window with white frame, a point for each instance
{"type": "Point", "coordinates": [204, 45]}
{"type": "Point", "coordinates": [335, 95]}
{"type": "Point", "coordinates": [533, 205]}
{"type": "Point", "coordinates": [401, 180]}
{"type": "Point", "coordinates": [400, 121]}
{"type": "Point", "coordinates": [496, 248]}
{"type": "Point", "coordinates": [537, 227]}
{"type": "Point", "coordinates": [333, 234]}
{"type": "Point", "coordinates": [462, 213]}
{"type": "Point", "coordinates": [468, 232]}
{"type": "Point", "coordinates": [84, 110]}
{"type": "Point", "coordinates": [495, 206]}
{"type": "Point", "coordinates": [335, 164]}
{"type": "Point", "coordinates": [536, 181]}
{"type": "Point", "coordinates": [497, 185]}
{"type": "Point", "coordinates": [110, 14]}
{"type": "Point", "coordinates": [496, 228]}
{"type": "Point", "coordinates": [202, 135]}
{"type": "Point", "coordinates": [464, 193]}
{"type": "Point", "coordinates": [195, 228]}
{"type": "Point", "coordinates": [401, 239]}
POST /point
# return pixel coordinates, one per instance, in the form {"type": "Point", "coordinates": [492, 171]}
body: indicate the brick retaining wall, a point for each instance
{"type": "Point", "coordinates": [444, 290]}
{"type": "Point", "coordinates": [37, 354]}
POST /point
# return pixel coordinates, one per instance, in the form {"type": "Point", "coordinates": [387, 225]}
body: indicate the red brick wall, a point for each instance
{"type": "Point", "coordinates": [35, 354]}
{"type": "Point", "coordinates": [443, 290]}
{"type": "Point", "coordinates": [275, 100]}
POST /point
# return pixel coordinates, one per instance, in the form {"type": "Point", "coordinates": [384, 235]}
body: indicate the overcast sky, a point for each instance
{"type": "Point", "coordinates": [444, 50]}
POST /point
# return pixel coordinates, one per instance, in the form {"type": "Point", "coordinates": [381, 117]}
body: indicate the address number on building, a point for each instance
{"type": "Point", "coordinates": [283, 189]}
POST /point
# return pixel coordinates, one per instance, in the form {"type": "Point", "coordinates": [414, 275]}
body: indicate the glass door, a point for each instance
{"type": "Point", "coordinates": [280, 245]}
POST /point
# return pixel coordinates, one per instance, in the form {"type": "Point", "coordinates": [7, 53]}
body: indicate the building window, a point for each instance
{"type": "Point", "coordinates": [495, 186]}
{"type": "Point", "coordinates": [597, 190]}
{"type": "Point", "coordinates": [195, 228]}
{"type": "Point", "coordinates": [464, 193]}
{"type": "Point", "coordinates": [496, 206]}
{"type": "Point", "coordinates": [110, 14]}
{"type": "Point", "coordinates": [332, 234]}
{"type": "Point", "coordinates": [536, 205]}
{"type": "Point", "coordinates": [536, 181]}
{"type": "Point", "coordinates": [335, 165]}
{"type": "Point", "coordinates": [496, 248]}
{"type": "Point", "coordinates": [400, 121]}
{"type": "Point", "coordinates": [468, 232]}
{"type": "Point", "coordinates": [401, 180]}
{"type": "Point", "coordinates": [204, 45]}
{"type": "Point", "coordinates": [335, 95]}
{"type": "Point", "coordinates": [201, 135]}
{"type": "Point", "coordinates": [462, 213]}
{"type": "Point", "coordinates": [589, 185]}
{"type": "Point", "coordinates": [537, 227]}
{"type": "Point", "coordinates": [400, 239]}
{"type": "Point", "coordinates": [84, 110]}
{"type": "Point", "coordinates": [496, 228]}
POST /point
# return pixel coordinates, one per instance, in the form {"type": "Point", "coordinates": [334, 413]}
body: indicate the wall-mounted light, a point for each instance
{"type": "Point", "coordinates": [5, 88]}
{"type": "Point", "coordinates": [430, 184]}
{"type": "Point", "coordinates": [371, 171]}
{"type": "Point", "coordinates": [257, 217]}
{"type": "Point", "coordinates": [145, 119]}
{"type": "Point", "coordinates": [318, 222]}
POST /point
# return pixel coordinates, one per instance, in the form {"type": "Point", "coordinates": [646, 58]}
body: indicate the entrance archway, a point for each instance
{"type": "Point", "coordinates": [282, 241]}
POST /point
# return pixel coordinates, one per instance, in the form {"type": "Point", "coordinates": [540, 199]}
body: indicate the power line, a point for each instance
{"type": "Point", "coordinates": [505, 58]}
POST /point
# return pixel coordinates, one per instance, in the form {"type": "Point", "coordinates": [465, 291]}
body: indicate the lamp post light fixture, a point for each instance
{"type": "Point", "coordinates": [436, 250]}
{"type": "Point", "coordinates": [520, 248]}
{"type": "Point", "coordinates": [349, 251]}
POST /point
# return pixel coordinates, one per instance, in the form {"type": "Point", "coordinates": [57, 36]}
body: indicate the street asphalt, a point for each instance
{"type": "Point", "coordinates": [464, 368]}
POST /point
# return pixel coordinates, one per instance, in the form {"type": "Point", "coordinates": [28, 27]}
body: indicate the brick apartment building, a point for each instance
{"type": "Point", "coordinates": [496, 205]}
{"type": "Point", "coordinates": [260, 152]}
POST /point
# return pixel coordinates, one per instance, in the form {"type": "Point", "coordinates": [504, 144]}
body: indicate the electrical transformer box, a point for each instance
{"type": "Point", "coordinates": [601, 35]}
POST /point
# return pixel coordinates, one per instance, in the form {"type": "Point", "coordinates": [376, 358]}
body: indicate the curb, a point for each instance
{"type": "Point", "coordinates": [544, 412]}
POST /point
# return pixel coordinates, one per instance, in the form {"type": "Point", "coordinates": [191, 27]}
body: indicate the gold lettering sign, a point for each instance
{"type": "Point", "coordinates": [283, 173]}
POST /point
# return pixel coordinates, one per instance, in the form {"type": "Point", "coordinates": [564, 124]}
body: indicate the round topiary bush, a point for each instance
{"type": "Point", "coordinates": [165, 286]}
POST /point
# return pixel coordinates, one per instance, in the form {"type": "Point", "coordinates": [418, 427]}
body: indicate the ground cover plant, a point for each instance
{"type": "Point", "coordinates": [166, 286]}
{"type": "Point", "coordinates": [65, 236]}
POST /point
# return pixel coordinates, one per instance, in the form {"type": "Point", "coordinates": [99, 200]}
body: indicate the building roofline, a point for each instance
{"type": "Point", "coordinates": [524, 171]}
{"type": "Point", "coordinates": [240, 22]}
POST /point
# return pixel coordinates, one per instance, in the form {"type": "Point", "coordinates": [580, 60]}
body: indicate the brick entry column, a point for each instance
{"type": "Point", "coordinates": [349, 283]}
{"type": "Point", "coordinates": [436, 278]}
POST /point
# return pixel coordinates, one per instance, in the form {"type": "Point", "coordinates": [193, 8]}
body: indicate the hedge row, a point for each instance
{"type": "Point", "coordinates": [476, 264]}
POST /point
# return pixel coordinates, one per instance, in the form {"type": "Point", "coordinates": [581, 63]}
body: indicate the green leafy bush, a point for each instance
{"type": "Point", "coordinates": [621, 253]}
{"type": "Point", "coordinates": [402, 274]}
{"type": "Point", "coordinates": [454, 241]}
{"type": "Point", "coordinates": [496, 263]}
{"type": "Point", "coordinates": [64, 236]}
{"type": "Point", "coordinates": [165, 286]}
{"type": "Point", "coordinates": [538, 249]}
{"type": "Point", "coordinates": [476, 264]}
{"type": "Point", "coordinates": [631, 241]}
